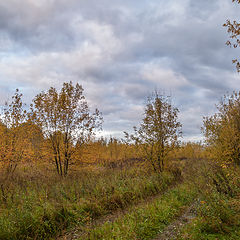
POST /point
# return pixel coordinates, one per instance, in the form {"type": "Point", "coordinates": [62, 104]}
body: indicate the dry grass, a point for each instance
{"type": "Point", "coordinates": [36, 203]}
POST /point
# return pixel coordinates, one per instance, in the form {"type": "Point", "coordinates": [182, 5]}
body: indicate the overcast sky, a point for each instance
{"type": "Point", "coordinates": [121, 51]}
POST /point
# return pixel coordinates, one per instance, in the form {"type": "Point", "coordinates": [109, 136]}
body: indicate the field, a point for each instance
{"type": "Point", "coordinates": [40, 205]}
{"type": "Point", "coordinates": [129, 201]}
{"type": "Point", "coordinates": [58, 181]}
{"type": "Point", "coordinates": [119, 120]}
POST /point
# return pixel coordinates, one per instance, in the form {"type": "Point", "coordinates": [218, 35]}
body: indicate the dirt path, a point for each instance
{"type": "Point", "coordinates": [172, 231]}
{"type": "Point", "coordinates": [82, 231]}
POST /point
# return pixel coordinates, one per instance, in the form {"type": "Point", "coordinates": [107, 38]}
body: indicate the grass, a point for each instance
{"type": "Point", "coordinates": [146, 222]}
{"type": "Point", "coordinates": [38, 206]}
{"type": "Point", "coordinates": [219, 209]}
{"type": "Point", "coordinates": [193, 231]}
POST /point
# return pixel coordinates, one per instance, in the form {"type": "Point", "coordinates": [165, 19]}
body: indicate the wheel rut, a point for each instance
{"type": "Point", "coordinates": [82, 231]}
{"type": "Point", "coordinates": [173, 230]}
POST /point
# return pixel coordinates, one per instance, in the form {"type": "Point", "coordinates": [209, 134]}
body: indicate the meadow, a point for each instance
{"type": "Point", "coordinates": [121, 199]}
{"type": "Point", "coordinates": [39, 204]}
{"type": "Point", "coordinates": [58, 181]}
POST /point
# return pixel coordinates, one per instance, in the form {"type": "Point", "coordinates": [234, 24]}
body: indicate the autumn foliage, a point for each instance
{"type": "Point", "coordinates": [222, 130]}
{"type": "Point", "coordinates": [159, 131]}
{"type": "Point", "coordinates": [233, 28]}
{"type": "Point", "coordinates": [54, 126]}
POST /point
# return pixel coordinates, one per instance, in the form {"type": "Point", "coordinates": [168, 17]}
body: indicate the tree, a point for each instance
{"type": "Point", "coordinates": [13, 140]}
{"type": "Point", "coordinates": [233, 29]}
{"type": "Point", "coordinates": [222, 130]}
{"type": "Point", "coordinates": [66, 120]}
{"type": "Point", "coordinates": [159, 130]}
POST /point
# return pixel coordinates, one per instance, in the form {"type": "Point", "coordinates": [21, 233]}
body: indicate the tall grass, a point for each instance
{"type": "Point", "coordinates": [219, 207]}
{"type": "Point", "coordinates": [148, 221]}
{"type": "Point", "coordinates": [39, 205]}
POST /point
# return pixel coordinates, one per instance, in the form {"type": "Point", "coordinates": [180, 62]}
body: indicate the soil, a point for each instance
{"type": "Point", "coordinates": [173, 230]}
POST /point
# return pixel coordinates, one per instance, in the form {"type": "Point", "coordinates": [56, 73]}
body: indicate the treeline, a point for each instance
{"type": "Point", "coordinates": [59, 128]}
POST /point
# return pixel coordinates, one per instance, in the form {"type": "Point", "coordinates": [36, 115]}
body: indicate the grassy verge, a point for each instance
{"type": "Point", "coordinates": [219, 209]}
{"type": "Point", "coordinates": [38, 207]}
{"type": "Point", "coordinates": [146, 222]}
{"type": "Point", "coordinates": [194, 231]}
{"type": "Point", "coordinates": [218, 218]}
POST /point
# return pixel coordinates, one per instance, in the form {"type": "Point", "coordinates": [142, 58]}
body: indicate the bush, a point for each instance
{"type": "Point", "coordinates": [220, 207]}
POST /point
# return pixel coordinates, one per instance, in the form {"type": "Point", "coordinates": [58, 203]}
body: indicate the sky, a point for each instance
{"type": "Point", "coordinates": [121, 52]}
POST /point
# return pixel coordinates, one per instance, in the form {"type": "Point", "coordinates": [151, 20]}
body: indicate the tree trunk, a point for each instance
{"type": "Point", "coordinates": [56, 162]}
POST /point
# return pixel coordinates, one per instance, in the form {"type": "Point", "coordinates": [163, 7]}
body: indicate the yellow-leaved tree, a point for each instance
{"type": "Point", "coordinates": [12, 134]}
{"type": "Point", "coordinates": [66, 121]}
{"type": "Point", "coordinates": [159, 130]}
{"type": "Point", "coordinates": [222, 130]}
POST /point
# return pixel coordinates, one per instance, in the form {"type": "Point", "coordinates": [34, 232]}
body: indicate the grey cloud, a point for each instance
{"type": "Point", "coordinates": [202, 9]}
{"type": "Point", "coordinates": [121, 51]}
{"type": "Point", "coordinates": [135, 91]}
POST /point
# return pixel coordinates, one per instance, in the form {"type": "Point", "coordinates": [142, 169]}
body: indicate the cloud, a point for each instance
{"type": "Point", "coordinates": [121, 52]}
{"type": "Point", "coordinates": [166, 77]}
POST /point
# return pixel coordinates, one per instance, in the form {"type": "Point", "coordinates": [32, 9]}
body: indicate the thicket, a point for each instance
{"type": "Point", "coordinates": [59, 128]}
{"type": "Point", "coordinates": [55, 125]}
{"type": "Point", "coordinates": [219, 175]}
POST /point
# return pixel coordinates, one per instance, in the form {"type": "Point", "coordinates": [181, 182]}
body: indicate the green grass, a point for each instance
{"type": "Point", "coordinates": [218, 220]}
{"type": "Point", "coordinates": [148, 221]}
{"type": "Point", "coordinates": [219, 209]}
{"type": "Point", "coordinates": [38, 207]}
{"type": "Point", "coordinates": [194, 231]}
